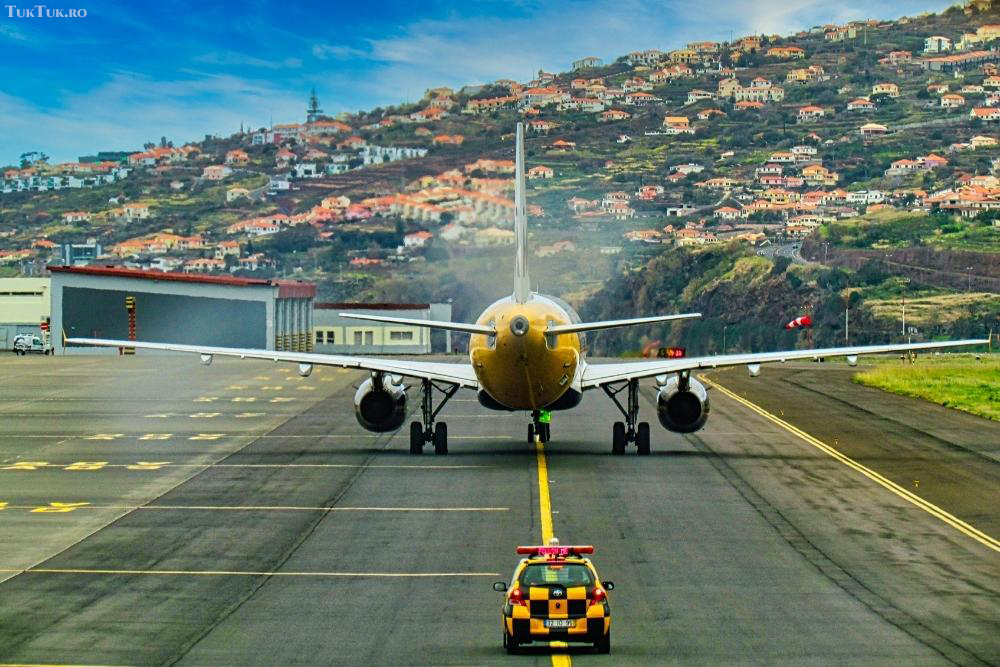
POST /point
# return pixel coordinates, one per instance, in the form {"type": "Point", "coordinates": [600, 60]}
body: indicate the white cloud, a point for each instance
{"type": "Point", "coordinates": [234, 58]}
{"type": "Point", "coordinates": [129, 110]}
{"type": "Point", "coordinates": [337, 52]}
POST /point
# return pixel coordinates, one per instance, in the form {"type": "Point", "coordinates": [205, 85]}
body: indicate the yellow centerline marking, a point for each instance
{"type": "Point", "coordinates": [545, 521]}
{"type": "Point", "coordinates": [910, 497]}
{"type": "Point", "coordinates": [244, 573]}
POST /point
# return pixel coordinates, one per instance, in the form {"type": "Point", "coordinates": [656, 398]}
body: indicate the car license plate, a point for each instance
{"type": "Point", "coordinates": [559, 623]}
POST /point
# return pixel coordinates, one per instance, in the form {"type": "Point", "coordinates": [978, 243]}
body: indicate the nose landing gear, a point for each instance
{"type": "Point", "coordinates": [540, 421]}
{"type": "Point", "coordinates": [631, 430]}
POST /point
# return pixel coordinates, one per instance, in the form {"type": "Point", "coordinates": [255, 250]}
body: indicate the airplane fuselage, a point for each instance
{"type": "Point", "coordinates": [521, 367]}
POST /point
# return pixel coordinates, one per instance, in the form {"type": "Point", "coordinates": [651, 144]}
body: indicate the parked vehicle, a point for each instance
{"type": "Point", "coordinates": [25, 343]}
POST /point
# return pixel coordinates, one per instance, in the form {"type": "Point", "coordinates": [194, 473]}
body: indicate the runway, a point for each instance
{"type": "Point", "coordinates": [154, 511]}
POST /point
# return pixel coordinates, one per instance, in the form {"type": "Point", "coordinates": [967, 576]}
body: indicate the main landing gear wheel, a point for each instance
{"type": "Point", "coordinates": [618, 438]}
{"type": "Point", "coordinates": [416, 438]}
{"type": "Point", "coordinates": [642, 439]}
{"type": "Point", "coordinates": [531, 438]}
{"type": "Point", "coordinates": [425, 431]}
{"type": "Point", "coordinates": [545, 432]}
{"type": "Point", "coordinates": [631, 430]}
{"type": "Point", "coordinates": [441, 438]}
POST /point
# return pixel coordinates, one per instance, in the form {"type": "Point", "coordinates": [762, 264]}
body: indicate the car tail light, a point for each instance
{"type": "Point", "coordinates": [517, 597]}
{"type": "Point", "coordinates": [600, 596]}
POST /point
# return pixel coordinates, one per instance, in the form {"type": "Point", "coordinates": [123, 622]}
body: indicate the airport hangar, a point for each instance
{"type": "Point", "coordinates": [224, 311]}
{"type": "Point", "coordinates": [186, 308]}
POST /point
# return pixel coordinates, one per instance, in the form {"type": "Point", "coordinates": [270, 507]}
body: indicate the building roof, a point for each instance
{"type": "Point", "coordinates": [286, 288]}
{"type": "Point", "coordinates": [325, 305]}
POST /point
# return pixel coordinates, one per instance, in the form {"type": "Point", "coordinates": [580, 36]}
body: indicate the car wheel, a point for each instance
{"type": "Point", "coordinates": [618, 438]}
{"type": "Point", "coordinates": [416, 438]}
{"type": "Point", "coordinates": [642, 439]}
{"type": "Point", "coordinates": [510, 644]}
{"type": "Point", "coordinates": [603, 645]}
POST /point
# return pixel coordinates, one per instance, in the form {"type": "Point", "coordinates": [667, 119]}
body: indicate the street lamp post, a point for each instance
{"type": "Point", "coordinates": [968, 275]}
{"type": "Point", "coordinates": [724, 327]}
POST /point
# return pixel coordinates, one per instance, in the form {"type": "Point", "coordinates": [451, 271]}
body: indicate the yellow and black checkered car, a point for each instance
{"type": "Point", "coordinates": [556, 595]}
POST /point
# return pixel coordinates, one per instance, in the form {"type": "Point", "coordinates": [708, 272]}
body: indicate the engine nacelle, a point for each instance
{"type": "Point", "coordinates": [682, 410]}
{"type": "Point", "coordinates": [380, 408]}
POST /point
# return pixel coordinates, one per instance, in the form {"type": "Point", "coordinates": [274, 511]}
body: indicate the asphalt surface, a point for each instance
{"type": "Point", "coordinates": [238, 515]}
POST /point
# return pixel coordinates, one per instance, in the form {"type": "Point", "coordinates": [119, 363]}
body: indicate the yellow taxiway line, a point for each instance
{"type": "Point", "coordinates": [961, 526]}
{"type": "Point", "coordinates": [545, 520]}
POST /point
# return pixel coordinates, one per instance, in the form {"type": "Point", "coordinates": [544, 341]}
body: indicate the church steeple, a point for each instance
{"type": "Point", "coordinates": [313, 112]}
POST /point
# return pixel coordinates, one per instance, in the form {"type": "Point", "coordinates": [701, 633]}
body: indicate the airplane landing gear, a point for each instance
{"type": "Point", "coordinates": [631, 430]}
{"type": "Point", "coordinates": [427, 431]}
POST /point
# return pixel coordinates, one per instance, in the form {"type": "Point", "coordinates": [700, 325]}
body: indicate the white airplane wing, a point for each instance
{"type": "Point", "coordinates": [595, 375]}
{"type": "Point", "coordinates": [459, 374]}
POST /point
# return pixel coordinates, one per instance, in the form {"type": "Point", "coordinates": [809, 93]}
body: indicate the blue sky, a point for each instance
{"type": "Point", "coordinates": [131, 72]}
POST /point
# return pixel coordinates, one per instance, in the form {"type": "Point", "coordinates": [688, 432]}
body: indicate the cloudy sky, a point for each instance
{"type": "Point", "coordinates": [131, 72]}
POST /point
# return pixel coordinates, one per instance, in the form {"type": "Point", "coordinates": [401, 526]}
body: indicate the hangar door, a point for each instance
{"type": "Point", "coordinates": [165, 318]}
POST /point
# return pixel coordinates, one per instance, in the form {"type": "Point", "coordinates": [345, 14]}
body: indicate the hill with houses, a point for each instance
{"type": "Point", "coordinates": [848, 145]}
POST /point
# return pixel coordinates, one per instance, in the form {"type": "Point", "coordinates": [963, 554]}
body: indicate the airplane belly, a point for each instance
{"type": "Point", "coordinates": [525, 380]}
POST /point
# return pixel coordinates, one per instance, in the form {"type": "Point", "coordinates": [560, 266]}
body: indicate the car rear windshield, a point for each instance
{"type": "Point", "coordinates": [565, 574]}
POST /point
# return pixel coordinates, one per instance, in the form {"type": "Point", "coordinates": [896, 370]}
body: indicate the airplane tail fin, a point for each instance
{"type": "Point", "coordinates": [522, 286]}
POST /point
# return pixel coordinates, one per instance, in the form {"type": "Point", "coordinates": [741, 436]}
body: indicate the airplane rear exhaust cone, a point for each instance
{"type": "Point", "coordinates": [519, 325]}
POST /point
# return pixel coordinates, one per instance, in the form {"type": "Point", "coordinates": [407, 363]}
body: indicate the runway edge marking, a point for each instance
{"type": "Point", "coordinates": [545, 521]}
{"type": "Point", "coordinates": [963, 527]}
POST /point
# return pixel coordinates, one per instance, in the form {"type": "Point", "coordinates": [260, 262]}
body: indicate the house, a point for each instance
{"type": "Point", "coordinates": [417, 239]}
{"type": "Point", "coordinates": [899, 58]}
{"type": "Point", "coordinates": [225, 249]}
{"type": "Point", "coordinates": [448, 140]}
{"type": "Point", "coordinates": [810, 113]}
{"type": "Point", "coordinates": [689, 168]}
{"type": "Point", "coordinates": [952, 101]}
{"type": "Point", "coordinates": [641, 99]}
{"type": "Point", "coordinates": [932, 161]}
{"type": "Point", "coordinates": [989, 114]}
{"type": "Point", "coordinates": [562, 145]}
{"type": "Point", "coordinates": [972, 89]}
{"type": "Point", "coordinates": [816, 174]}
{"type": "Point", "coordinates": [902, 168]}
{"type": "Point", "coordinates": [76, 216]}
{"type": "Point", "coordinates": [541, 125]}
{"type": "Point", "coordinates": [786, 52]}
{"type": "Point", "coordinates": [135, 211]}
{"type": "Point", "coordinates": [709, 114]}
{"type": "Point", "coordinates": [216, 172]}
{"type": "Point", "coordinates": [982, 142]}
{"type": "Point", "coordinates": [677, 125]}
{"type": "Point", "coordinates": [748, 105]}
{"type": "Point", "coordinates": [232, 194]}
{"type": "Point", "coordinates": [237, 158]}
{"type": "Point", "coordinates": [540, 172]}
{"type": "Point", "coordinates": [729, 213]}
{"type": "Point", "coordinates": [284, 157]}
{"type": "Point", "coordinates": [938, 88]}
{"type": "Point", "coordinates": [870, 130]}
{"type": "Point", "coordinates": [614, 114]}
{"type": "Point", "coordinates": [861, 104]}
{"type": "Point", "coordinates": [890, 89]}
{"type": "Point", "coordinates": [937, 44]}
{"type": "Point", "coordinates": [585, 63]}
{"type": "Point", "coordinates": [696, 95]}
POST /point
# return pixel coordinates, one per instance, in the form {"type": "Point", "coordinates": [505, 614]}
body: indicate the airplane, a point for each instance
{"type": "Point", "coordinates": [526, 353]}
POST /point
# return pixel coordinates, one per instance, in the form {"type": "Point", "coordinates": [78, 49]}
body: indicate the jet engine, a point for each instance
{"type": "Point", "coordinates": [380, 403]}
{"type": "Point", "coordinates": [682, 404]}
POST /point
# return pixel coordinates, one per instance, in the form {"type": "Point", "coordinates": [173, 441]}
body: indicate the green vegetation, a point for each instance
{"type": "Point", "coordinates": [889, 229]}
{"type": "Point", "coordinates": [956, 381]}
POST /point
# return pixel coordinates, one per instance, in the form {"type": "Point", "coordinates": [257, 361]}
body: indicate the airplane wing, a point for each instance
{"type": "Point", "coordinates": [458, 374]}
{"type": "Point", "coordinates": [431, 324]}
{"type": "Point", "coordinates": [577, 327]}
{"type": "Point", "coordinates": [595, 375]}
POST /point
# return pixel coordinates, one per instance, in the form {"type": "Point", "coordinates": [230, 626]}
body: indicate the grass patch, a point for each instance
{"type": "Point", "coordinates": [958, 382]}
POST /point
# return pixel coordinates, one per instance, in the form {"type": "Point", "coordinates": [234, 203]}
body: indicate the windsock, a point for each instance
{"type": "Point", "coordinates": [800, 322]}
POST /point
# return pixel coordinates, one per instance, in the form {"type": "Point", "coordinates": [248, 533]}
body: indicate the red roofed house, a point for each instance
{"type": "Point", "coordinates": [540, 171]}
{"type": "Point", "coordinates": [237, 158]}
{"type": "Point", "coordinates": [809, 113]}
{"type": "Point", "coordinates": [448, 140]}
{"type": "Point", "coordinates": [986, 114]}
